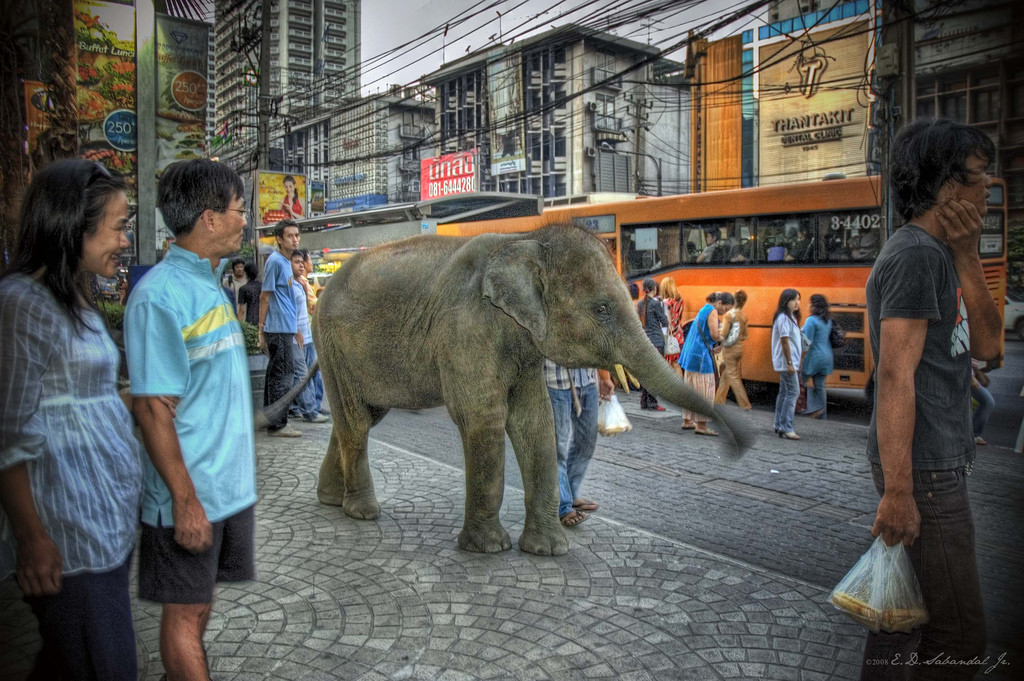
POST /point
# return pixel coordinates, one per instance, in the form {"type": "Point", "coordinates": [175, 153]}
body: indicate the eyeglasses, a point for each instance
{"type": "Point", "coordinates": [244, 212]}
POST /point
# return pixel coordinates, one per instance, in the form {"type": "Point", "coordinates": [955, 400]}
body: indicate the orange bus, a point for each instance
{"type": "Point", "coordinates": [817, 237]}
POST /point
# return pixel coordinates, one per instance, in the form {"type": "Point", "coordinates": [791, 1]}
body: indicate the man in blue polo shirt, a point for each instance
{"type": "Point", "coordinates": [279, 324]}
{"type": "Point", "coordinates": [184, 342]}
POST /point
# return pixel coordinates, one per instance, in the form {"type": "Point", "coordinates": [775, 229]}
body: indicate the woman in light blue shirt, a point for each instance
{"type": "Point", "coordinates": [786, 351]}
{"type": "Point", "coordinates": [818, 360]}
{"type": "Point", "coordinates": [70, 467]}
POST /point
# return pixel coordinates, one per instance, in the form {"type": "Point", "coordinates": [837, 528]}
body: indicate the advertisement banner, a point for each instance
{"type": "Point", "coordinates": [38, 106]}
{"type": "Point", "coordinates": [317, 197]}
{"type": "Point", "coordinates": [107, 128]}
{"type": "Point", "coordinates": [449, 174]}
{"type": "Point", "coordinates": [278, 197]}
{"type": "Point", "coordinates": [182, 59]}
{"type": "Point", "coordinates": [505, 96]}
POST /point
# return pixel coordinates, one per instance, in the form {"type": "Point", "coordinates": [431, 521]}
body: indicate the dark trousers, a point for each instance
{"type": "Point", "coordinates": [943, 558]}
{"type": "Point", "coordinates": [86, 628]}
{"type": "Point", "coordinates": [279, 374]}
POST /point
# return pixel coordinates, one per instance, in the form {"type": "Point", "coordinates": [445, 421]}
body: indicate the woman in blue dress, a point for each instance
{"type": "Point", "coordinates": [697, 361]}
{"type": "Point", "coordinates": [818, 361]}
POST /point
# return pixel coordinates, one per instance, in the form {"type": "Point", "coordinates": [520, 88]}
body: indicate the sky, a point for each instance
{"type": "Point", "coordinates": [475, 24]}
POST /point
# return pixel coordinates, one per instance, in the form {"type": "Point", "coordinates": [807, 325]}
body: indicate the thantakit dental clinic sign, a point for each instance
{"type": "Point", "coordinates": [449, 174]}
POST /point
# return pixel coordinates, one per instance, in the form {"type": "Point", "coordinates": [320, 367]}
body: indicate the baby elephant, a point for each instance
{"type": "Point", "coordinates": [466, 322]}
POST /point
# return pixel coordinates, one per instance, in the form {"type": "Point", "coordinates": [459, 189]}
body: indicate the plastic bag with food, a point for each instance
{"type": "Point", "coordinates": [611, 417]}
{"type": "Point", "coordinates": [881, 591]}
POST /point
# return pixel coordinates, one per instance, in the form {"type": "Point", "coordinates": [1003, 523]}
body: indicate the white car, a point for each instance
{"type": "Point", "coordinates": [1014, 313]}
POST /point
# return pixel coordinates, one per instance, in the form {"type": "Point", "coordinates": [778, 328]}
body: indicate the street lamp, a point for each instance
{"type": "Point", "coordinates": [657, 162]}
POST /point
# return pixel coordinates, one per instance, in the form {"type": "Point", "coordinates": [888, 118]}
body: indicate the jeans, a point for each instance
{"type": "Point", "coordinates": [86, 628]}
{"type": "Point", "coordinates": [306, 401]}
{"type": "Point", "coordinates": [280, 374]}
{"type": "Point", "coordinates": [575, 437]}
{"type": "Point", "coordinates": [986, 403]}
{"type": "Point", "coordinates": [816, 395]}
{"type": "Point", "coordinates": [785, 403]}
{"type": "Point", "coordinates": [318, 379]}
{"type": "Point", "coordinates": [944, 561]}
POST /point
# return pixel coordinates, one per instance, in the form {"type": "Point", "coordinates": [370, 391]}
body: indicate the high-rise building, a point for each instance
{"type": "Point", "coordinates": [314, 59]}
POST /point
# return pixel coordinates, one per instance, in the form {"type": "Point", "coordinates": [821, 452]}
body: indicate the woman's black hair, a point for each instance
{"type": "Point", "coordinates": [251, 271]}
{"type": "Point", "coordinates": [726, 298]}
{"type": "Point", "coordinates": [237, 261]}
{"type": "Point", "coordinates": [926, 155]}
{"type": "Point", "coordinates": [65, 202]}
{"type": "Point", "coordinates": [784, 298]}
{"type": "Point", "coordinates": [650, 286]}
{"type": "Point", "coordinates": [819, 307]}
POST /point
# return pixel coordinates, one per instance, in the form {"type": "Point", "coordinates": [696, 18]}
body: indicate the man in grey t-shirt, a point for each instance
{"type": "Point", "coordinates": [926, 284]}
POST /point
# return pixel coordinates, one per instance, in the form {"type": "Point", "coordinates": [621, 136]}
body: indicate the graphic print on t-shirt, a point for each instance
{"type": "Point", "coordinates": [960, 342]}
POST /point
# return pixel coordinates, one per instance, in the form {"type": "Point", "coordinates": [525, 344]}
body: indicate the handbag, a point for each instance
{"type": "Point", "coordinates": [714, 361]}
{"type": "Point", "coordinates": [836, 337]}
{"type": "Point", "coordinates": [734, 334]}
{"type": "Point", "coordinates": [671, 345]}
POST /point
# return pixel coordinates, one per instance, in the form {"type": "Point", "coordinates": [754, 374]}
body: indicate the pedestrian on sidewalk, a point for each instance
{"type": "Point", "coordinates": [279, 324]}
{"type": "Point", "coordinates": [184, 342]}
{"type": "Point", "coordinates": [655, 322]}
{"type": "Point", "coordinates": [986, 403]}
{"type": "Point", "coordinates": [734, 337]}
{"type": "Point", "coordinates": [697, 359]}
{"type": "Point", "coordinates": [575, 433]}
{"type": "Point", "coordinates": [929, 310]}
{"type": "Point", "coordinates": [249, 296]}
{"type": "Point", "coordinates": [303, 354]}
{"type": "Point", "coordinates": [675, 308]}
{"type": "Point", "coordinates": [70, 466]}
{"type": "Point", "coordinates": [818, 362]}
{"type": "Point", "coordinates": [787, 349]}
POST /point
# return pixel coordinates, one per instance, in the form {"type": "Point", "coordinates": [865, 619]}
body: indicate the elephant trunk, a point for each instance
{"type": "Point", "coordinates": [657, 377]}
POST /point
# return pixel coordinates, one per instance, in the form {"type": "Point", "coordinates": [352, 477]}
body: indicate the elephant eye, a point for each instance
{"type": "Point", "coordinates": [602, 309]}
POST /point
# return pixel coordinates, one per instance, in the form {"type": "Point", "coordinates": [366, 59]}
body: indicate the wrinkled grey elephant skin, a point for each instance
{"type": "Point", "coordinates": [465, 322]}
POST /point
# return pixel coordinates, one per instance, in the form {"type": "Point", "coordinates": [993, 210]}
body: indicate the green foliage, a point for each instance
{"type": "Point", "coordinates": [251, 333]}
{"type": "Point", "coordinates": [247, 252]}
{"type": "Point", "coordinates": [114, 314]}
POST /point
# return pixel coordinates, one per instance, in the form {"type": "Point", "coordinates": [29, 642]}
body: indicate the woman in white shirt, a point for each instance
{"type": "Point", "coordinates": [786, 352]}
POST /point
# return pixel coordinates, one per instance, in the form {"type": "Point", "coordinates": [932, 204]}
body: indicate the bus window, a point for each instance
{"type": "Point", "coordinates": [849, 235]}
{"type": "Point", "coordinates": [785, 238]}
{"type": "Point", "coordinates": [713, 242]}
{"type": "Point", "coordinates": [647, 248]}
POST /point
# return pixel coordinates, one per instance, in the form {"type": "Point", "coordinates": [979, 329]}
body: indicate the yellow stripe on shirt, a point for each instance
{"type": "Point", "coordinates": [211, 321]}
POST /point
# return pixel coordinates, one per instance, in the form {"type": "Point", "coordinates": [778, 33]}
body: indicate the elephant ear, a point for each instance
{"type": "Point", "coordinates": [513, 281]}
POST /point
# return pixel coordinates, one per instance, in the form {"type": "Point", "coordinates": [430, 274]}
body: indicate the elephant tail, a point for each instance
{"type": "Point", "coordinates": [263, 417]}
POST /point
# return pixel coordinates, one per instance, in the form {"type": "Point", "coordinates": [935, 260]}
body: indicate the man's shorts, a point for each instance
{"type": "Point", "coordinates": [169, 573]}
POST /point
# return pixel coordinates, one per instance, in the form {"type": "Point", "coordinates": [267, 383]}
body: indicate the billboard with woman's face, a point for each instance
{"type": "Point", "coordinates": [279, 196]}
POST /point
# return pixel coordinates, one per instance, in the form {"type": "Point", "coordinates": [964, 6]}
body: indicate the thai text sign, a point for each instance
{"type": "Point", "coordinates": [448, 175]}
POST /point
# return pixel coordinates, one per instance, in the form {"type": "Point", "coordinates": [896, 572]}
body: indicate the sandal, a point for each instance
{"type": "Point", "coordinates": [585, 505]}
{"type": "Point", "coordinates": [705, 431]}
{"type": "Point", "coordinates": [573, 518]}
{"type": "Point", "coordinates": [689, 425]}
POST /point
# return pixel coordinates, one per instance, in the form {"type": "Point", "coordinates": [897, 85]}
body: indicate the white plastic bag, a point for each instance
{"type": "Point", "coordinates": [611, 418]}
{"type": "Point", "coordinates": [881, 591]}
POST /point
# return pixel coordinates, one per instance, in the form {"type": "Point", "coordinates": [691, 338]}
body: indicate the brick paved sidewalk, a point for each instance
{"type": "Point", "coordinates": [395, 599]}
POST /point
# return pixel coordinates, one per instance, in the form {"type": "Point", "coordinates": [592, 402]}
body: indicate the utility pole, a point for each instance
{"type": "Point", "coordinates": [264, 98]}
{"type": "Point", "coordinates": [894, 69]}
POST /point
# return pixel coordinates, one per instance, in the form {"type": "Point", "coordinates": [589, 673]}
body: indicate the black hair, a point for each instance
{"type": "Point", "coordinates": [187, 188]}
{"type": "Point", "coordinates": [65, 202]}
{"type": "Point", "coordinates": [819, 306]}
{"type": "Point", "coordinates": [928, 153]}
{"type": "Point", "coordinates": [301, 252]}
{"type": "Point", "coordinates": [282, 224]}
{"type": "Point", "coordinates": [237, 261]}
{"type": "Point", "coordinates": [784, 298]}
{"type": "Point", "coordinates": [712, 297]}
{"type": "Point", "coordinates": [251, 271]}
{"type": "Point", "coordinates": [288, 177]}
{"type": "Point", "coordinates": [650, 285]}
{"type": "Point", "coordinates": [725, 298]}
{"type": "Point", "coordinates": [634, 291]}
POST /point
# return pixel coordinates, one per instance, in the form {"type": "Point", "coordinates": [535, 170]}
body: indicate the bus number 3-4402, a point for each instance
{"type": "Point", "coordinates": [859, 221]}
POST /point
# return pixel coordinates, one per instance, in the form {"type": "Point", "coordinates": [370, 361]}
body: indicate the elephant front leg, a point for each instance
{"type": "Point", "coordinates": [484, 450]}
{"type": "Point", "coordinates": [531, 428]}
{"type": "Point", "coordinates": [330, 488]}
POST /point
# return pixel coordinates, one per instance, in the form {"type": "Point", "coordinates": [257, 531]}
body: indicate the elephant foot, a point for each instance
{"type": "Point", "coordinates": [546, 542]}
{"type": "Point", "coordinates": [329, 499]}
{"type": "Point", "coordinates": [492, 539]}
{"type": "Point", "coordinates": [363, 507]}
